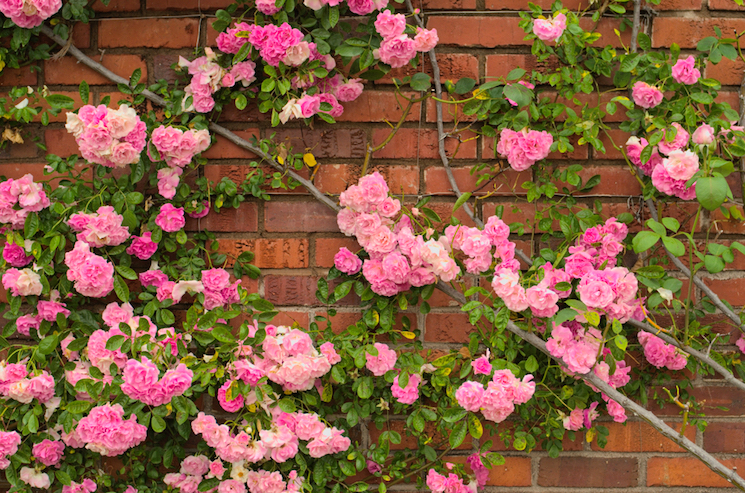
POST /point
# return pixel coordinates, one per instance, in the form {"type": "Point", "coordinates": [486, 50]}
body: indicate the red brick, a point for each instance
{"type": "Point", "coordinates": [243, 219]}
{"type": "Point", "coordinates": [453, 66]}
{"type": "Point", "coordinates": [714, 400]}
{"type": "Point", "coordinates": [324, 143]}
{"type": "Point", "coordinates": [60, 142]}
{"type": "Point", "coordinates": [614, 136]}
{"type": "Point", "coordinates": [544, 4]}
{"type": "Point", "coordinates": [187, 5]}
{"type": "Point", "coordinates": [506, 183]}
{"type": "Point", "coordinates": [501, 65]}
{"type": "Point", "coordinates": [516, 471]}
{"type": "Point", "coordinates": [117, 6]}
{"type": "Point", "coordinates": [637, 436]}
{"type": "Point", "coordinates": [449, 112]}
{"type": "Point", "coordinates": [23, 76]}
{"type": "Point", "coordinates": [447, 327]}
{"type": "Point", "coordinates": [291, 290]}
{"type": "Point", "coordinates": [335, 178]}
{"type": "Point", "coordinates": [287, 317]}
{"type": "Point", "coordinates": [290, 217]}
{"type": "Point", "coordinates": [224, 149]}
{"type": "Point", "coordinates": [731, 289]}
{"type": "Point", "coordinates": [614, 180]}
{"type": "Point", "coordinates": [150, 33]}
{"type": "Point", "coordinates": [326, 248]}
{"type": "Point", "coordinates": [728, 72]}
{"type": "Point", "coordinates": [724, 5]}
{"type": "Point", "coordinates": [725, 437]}
{"type": "Point", "coordinates": [587, 472]}
{"type": "Point", "coordinates": [67, 70]}
{"type": "Point", "coordinates": [690, 472]}
{"type": "Point", "coordinates": [448, 4]}
{"type": "Point", "coordinates": [514, 212]}
{"type": "Point", "coordinates": [81, 36]}
{"type": "Point", "coordinates": [488, 32]}
{"type": "Point", "coordinates": [401, 179]}
{"type": "Point", "coordinates": [687, 32]}
{"type": "Point", "coordinates": [341, 321]}
{"type": "Point", "coordinates": [416, 143]}
{"type": "Point", "coordinates": [62, 116]}
{"type": "Point", "coordinates": [286, 253]}
{"type": "Point", "coordinates": [379, 106]}
{"type": "Point", "coordinates": [678, 5]}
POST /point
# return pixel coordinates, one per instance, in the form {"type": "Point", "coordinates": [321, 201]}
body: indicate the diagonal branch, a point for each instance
{"type": "Point", "coordinates": [218, 129]}
{"type": "Point", "coordinates": [648, 416]}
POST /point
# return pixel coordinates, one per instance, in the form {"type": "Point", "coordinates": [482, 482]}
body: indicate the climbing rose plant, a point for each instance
{"type": "Point", "coordinates": [135, 361]}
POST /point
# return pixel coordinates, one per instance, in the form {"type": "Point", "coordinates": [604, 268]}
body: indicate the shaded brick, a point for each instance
{"type": "Point", "coordinates": [150, 33]}
{"type": "Point", "coordinates": [423, 144]}
{"type": "Point", "coordinates": [453, 66]}
{"type": "Point", "coordinates": [725, 437]}
{"type": "Point", "coordinates": [23, 76]}
{"type": "Point", "coordinates": [505, 183]}
{"type": "Point", "coordinates": [224, 149]}
{"type": "Point", "coordinates": [60, 142]}
{"type": "Point", "coordinates": [287, 253]}
{"type": "Point", "coordinates": [378, 106]}
{"type": "Point", "coordinates": [291, 290]}
{"type": "Point", "coordinates": [687, 32]}
{"type": "Point", "coordinates": [324, 143]}
{"type": "Point", "coordinates": [299, 216]}
{"type": "Point", "coordinates": [587, 472]}
{"type": "Point", "coordinates": [447, 327]}
{"type": "Point", "coordinates": [326, 248]}
{"type": "Point", "coordinates": [116, 6]}
{"type": "Point", "coordinates": [243, 219]}
{"type": "Point", "coordinates": [68, 71]}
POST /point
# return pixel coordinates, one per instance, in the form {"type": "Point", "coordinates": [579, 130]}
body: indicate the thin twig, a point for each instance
{"type": "Point", "coordinates": [218, 129]}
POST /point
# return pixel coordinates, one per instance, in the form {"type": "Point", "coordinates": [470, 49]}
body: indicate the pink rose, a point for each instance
{"type": "Point", "coordinates": [48, 452]}
{"type": "Point", "coordinates": [16, 255]}
{"type": "Point", "coordinates": [645, 95]}
{"type": "Point", "coordinates": [170, 218]}
{"type": "Point", "coordinates": [470, 396]}
{"type": "Point", "coordinates": [681, 165]}
{"type": "Point", "coordinates": [383, 362]}
{"type": "Point", "coordinates": [397, 50]}
{"type": "Point", "coordinates": [309, 105]}
{"type": "Point", "coordinates": [703, 135]}
{"type": "Point", "coordinates": [142, 247]}
{"type": "Point", "coordinates": [550, 29]}
{"type": "Point", "coordinates": [685, 71]}
{"type": "Point", "coordinates": [347, 262]}
{"type": "Point", "coordinates": [425, 39]}
{"type": "Point", "coordinates": [390, 25]}
{"type": "Point", "coordinates": [350, 90]}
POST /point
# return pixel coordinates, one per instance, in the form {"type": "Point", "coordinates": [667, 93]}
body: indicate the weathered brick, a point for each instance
{"type": "Point", "coordinates": [243, 219]}
{"type": "Point", "coordinates": [448, 4]}
{"type": "Point", "coordinates": [291, 290]}
{"type": "Point", "coordinates": [447, 327]}
{"type": "Point", "coordinates": [614, 136]}
{"type": "Point", "coordinates": [724, 5]}
{"type": "Point", "coordinates": [501, 65]}
{"type": "Point", "coordinates": [324, 143]}
{"type": "Point", "coordinates": [614, 180]}
{"type": "Point", "coordinates": [68, 71]}
{"type": "Point", "coordinates": [379, 106]}
{"type": "Point", "coordinates": [401, 179]}
{"type": "Point", "coordinates": [544, 4]}
{"type": "Point", "coordinates": [588, 472]}
{"type": "Point", "coordinates": [225, 149]}
{"type": "Point", "coordinates": [187, 4]}
{"type": "Point", "coordinates": [725, 437]}
{"type": "Point", "coordinates": [453, 66]}
{"type": "Point", "coordinates": [335, 178]}
{"type": "Point", "coordinates": [286, 253]}
{"type": "Point", "coordinates": [690, 472]}
{"type": "Point", "coordinates": [23, 76]}
{"type": "Point", "coordinates": [150, 33]}
{"type": "Point", "coordinates": [687, 32]}
{"type": "Point", "coordinates": [289, 217]}
{"type": "Point", "coordinates": [516, 471]}
{"type": "Point", "coordinates": [415, 143]}
{"type": "Point", "coordinates": [505, 183]}
{"type": "Point", "coordinates": [731, 289]}
{"type": "Point", "coordinates": [60, 142]}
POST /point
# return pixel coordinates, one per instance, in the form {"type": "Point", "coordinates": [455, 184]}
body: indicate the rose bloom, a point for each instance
{"type": "Point", "coordinates": [681, 165]}
{"type": "Point", "coordinates": [645, 95]}
{"type": "Point", "coordinates": [703, 135]}
{"type": "Point", "coordinates": [550, 29]}
{"type": "Point", "coordinates": [397, 51]}
{"type": "Point", "coordinates": [347, 262]}
{"type": "Point", "coordinates": [170, 218]}
{"type": "Point", "coordinates": [390, 25]}
{"type": "Point", "coordinates": [685, 71]}
{"type": "Point", "coordinates": [470, 396]}
{"type": "Point", "coordinates": [142, 247]}
{"type": "Point", "coordinates": [425, 39]}
{"type": "Point", "coordinates": [349, 91]}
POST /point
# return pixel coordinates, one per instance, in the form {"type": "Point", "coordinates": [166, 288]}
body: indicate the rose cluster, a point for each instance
{"type": "Point", "coordinates": [106, 432]}
{"type": "Point", "coordinates": [660, 353]}
{"type": "Point", "coordinates": [16, 383]}
{"type": "Point", "coordinates": [397, 49]}
{"type": "Point", "coordinates": [142, 382]}
{"type": "Point", "coordinates": [177, 148]}
{"type": "Point", "coordinates": [112, 138]}
{"type": "Point", "coordinates": [29, 13]}
{"type": "Point", "coordinates": [18, 198]}
{"type": "Point", "coordinates": [498, 400]}
{"type": "Point", "coordinates": [452, 483]}
{"type": "Point", "coordinates": [208, 77]}
{"type": "Point", "coordinates": [525, 147]}
{"type": "Point", "coordinates": [670, 166]}
{"type": "Point", "coordinates": [576, 346]}
{"type": "Point", "coordinates": [102, 228]}
{"type": "Point", "coordinates": [46, 310]}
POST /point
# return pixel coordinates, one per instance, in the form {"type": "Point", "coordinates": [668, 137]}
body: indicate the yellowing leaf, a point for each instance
{"type": "Point", "coordinates": [590, 436]}
{"type": "Point", "coordinates": [309, 159]}
{"type": "Point", "coordinates": [408, 335]}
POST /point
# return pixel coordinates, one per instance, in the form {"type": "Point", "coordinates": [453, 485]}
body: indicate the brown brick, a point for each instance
{"type": "Point", "coordinates": [401, 179]}
{"type": "Point", "coordinates": [60, 142]}
{"type": "Point", "coordinates": [287, 253]}
{"type": "Point", "coordinates": [328, 142]}
{"type": "Point", "coordinates": [544, 4]}
{"type": "Point", "coordinates": [587, 472]}
{"type": "Point", "coordinates": [23, 76]}
{"type": "Point", "coordinates": [326, 248]}
{"type": "Point", "coordinates": [506, 183]}
{"type": "Point", "coordinates": [637, 436]}
{"type": "Point", "coordinates": [62, 116]}
{"type": "Point", "coordinates": [448, 4]}
{"type": "Point", "coordinates": [379, 106]}
{"type": "Point", "coordinates": [725, 437]}
{"type": "Point", "coordinates": [291, 290]}
{"type": "Point", "coordinates": [501, 65]}
{"type": "Point", "coordinates": [299, 216]}
{"type": "Point", "coordinates": [516, 471]}
{"type": "Point", "coordinates": [690, 472]}
{"type": "Point", "coordinates": [453, 66]}
{"type": "Point", "coordinates": [68, 71]}
{"type": "Point", "coordinates": [614, 180]}
{"type": "Point", "coordinates": [150, 33]}
{"type": "Point", "coordinates": [415, 143]}
{"type": "Point", "coordinates": [447, 327]}
{"type": "Point", "coordinates": [488, 32]}
{"type": "Point", "coordinates": [614, 136]}
{"type": "Point", "coordinates": [243, 219]}
{"type": "Point", "coordinates": [731, 289]}
{"type": "Point", "coordinates": [335, 178]}
{"type": "Point", "coordinates": [224, 149]}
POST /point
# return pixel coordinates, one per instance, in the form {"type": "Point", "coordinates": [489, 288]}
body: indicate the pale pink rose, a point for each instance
{"type": "Point", "coordinates": [397, 51]}
{"type": "Point", "coordinates": [34, 478]}
{"type": "Point", "coordinates": [470, 396]}
{"type": "Point", "coordinates": [550, 29]}
{"type": "Point", "coordinates": [681, 165]}
{"type": "Point", "coordinates": [685, 71]}
{"type": "Point", "coordinates": [645, 95]}
{"type": "Point", "coordinates": [328, 350]}
{"type": "Point", "coordinates": [575, 420]}
{"type": "Point", "coordinates": [266, 7]}
{"type": "Point", "coordinates": [196, 465]}
{"type": "Point", "coordinates": [703, 135]}
{"type": "Point", "coordinates": [680, 140]}
{"type": "Point", "coordinates": [361, 7]}
{"type": "Point", "coordinates": [383, 362]}
{"type": "Point", "coordinates": [296, 55]}
{"type": "Point", "coordinates": [408, 394]}
{"type": "Point", "coordinates": [349, 91]}
{"type": "Point", "coordinates": [425, 39]}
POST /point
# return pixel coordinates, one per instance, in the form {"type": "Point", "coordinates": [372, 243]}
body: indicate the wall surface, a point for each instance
{"type": "Point", "coordinates": [295, 238]}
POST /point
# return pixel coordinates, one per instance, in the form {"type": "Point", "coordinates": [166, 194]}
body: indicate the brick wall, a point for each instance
{"type": "Point", "coordinates": [295, 238]}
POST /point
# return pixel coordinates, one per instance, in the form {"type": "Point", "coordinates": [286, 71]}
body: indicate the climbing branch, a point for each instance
{"type": "Point", "coordinates": [218, 129]}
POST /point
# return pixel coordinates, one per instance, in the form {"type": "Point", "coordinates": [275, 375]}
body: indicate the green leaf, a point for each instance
{"type": "Point", "coordinates": [458, 434]}
{"type": "Point", "coordinates": [531, 364]}
{"type": "Point", "coordinates": [644, 42]}
{"type": "Point", "coordinates": [702, 97]}
{"type": "Point", "coordinates": [115, 342]}
{"type": "Point", "coordinates": [365, 388]}
{"type": "Point", "coordinates": [464, 85]}
{"type": "Point", "coordinates": [208, 484]}
{"type": "Point", "coordinates": [121, 289]}
{"type": "Point", "coordinates": [461, 200]}
{"type": "Point", "coordinates": [85, 92]}
{"type": "Point", "coordinates": [621, 342]}
{"type": "Point", "coordinates": [713, 264]}
{"type": "Point", "coordinates": [644, 240]}
{"type": "Point", "coordinates": [78, 407]}
{"type": "Point", "coordinates": [711, 192]}
{"type": "Point", "coordinates": [63, 477]}
{"type": "Point", "coordinates": [287, 405]}
{"type": "Point", "coordinates": [420, 82]}
{"type": "Point", "coordinates": [454, 415]}
{"type": "Point", "coordinates": [126, 272]}
{"type": "Point", "coordinates": [674, 246]}
{"type": "Point", "coordinates": [671, 223]}
{"type": "Point", "coordinates": [48, 344]}
{"type": "Point", "coordinates": [31, 226]}
{"type": "Point", "coordinates": [515, 74]}
{"type": "Point", "coordinates": [629, 62]}
{"type": "Point", "coordinates": [222, 334]}
{"type": "Point", "coordinates": [475, 428]}
{"type": "Point", "coordinates": [518, 93]}
{"type": "Point", "coordinates": [158, 424]}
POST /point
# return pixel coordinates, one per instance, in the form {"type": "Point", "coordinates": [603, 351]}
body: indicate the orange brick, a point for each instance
{"type": "Point", "coordinates": [415, 143]}
{"type": "Point", "coordinates": [286, 253]}
{"type": "Point", "coordinates": [297, 216]}
{"type": "Point", "coordinates": [243, 219]}
{"type": "Point", "coordinates": [150, 33]}
{"type": "Point", "coordinates": [690, 472]}
{"type": "Point", "coordinates": [687, 32]}
{"type": "Point", "coordinates": [379, 106]}
{"type": "Point", "coordinates": [637, 436]}
{"type": "Point", "coordinates": [326, 248]}
{"type": "Point", "coordinates": [67, 70]}
{"type": "Point", "coordinates": [224, 149]}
